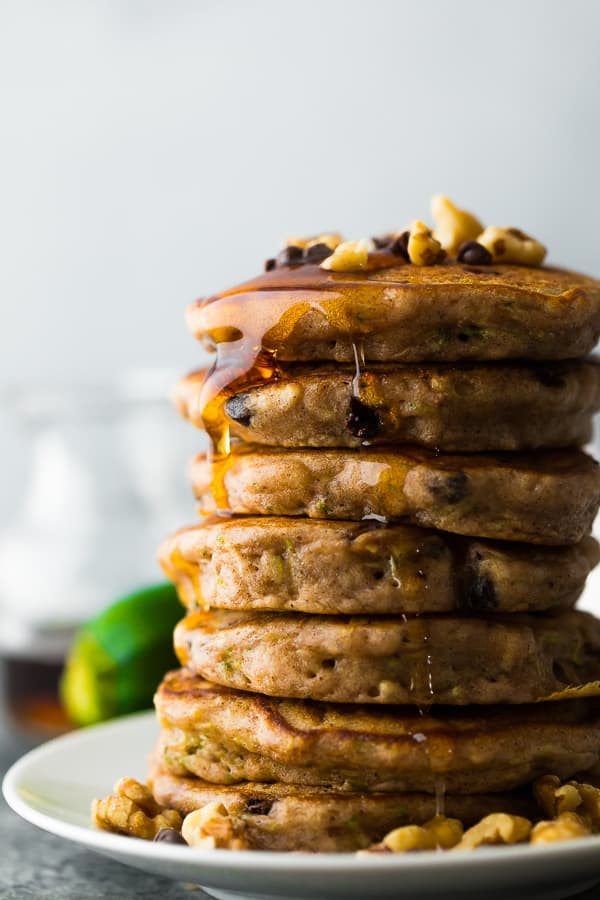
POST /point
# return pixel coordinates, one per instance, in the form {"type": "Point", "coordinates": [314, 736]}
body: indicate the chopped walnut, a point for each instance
{"type": "Point", "coordinates": [453, 226]}
{"type": "Point", "coordinates": [447, 832]}
{"type": "Point", "coordinates": [565, 827]}
{"type": "Point", "coordinates": [212, 827]}
{"type": "Point", "coordinates": [556, 798]}
{"type": "Point", "coordinates": [437, 833]}
{"type": "Point", "coordinates": [423, 249]}
{"type": "Point", "coordinates": [497, 828]}
{"type": "Point", "coordinates": [510, 245]}
{"type": "Point", "coordinates": [133, 811]}
{"type": "Point", "coordinates": [348, 257]}
{"type": "Point", "coordinates": [409, 838]}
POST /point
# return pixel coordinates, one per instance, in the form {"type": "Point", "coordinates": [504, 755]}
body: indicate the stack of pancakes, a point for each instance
{"type": "Point", "coordinates": [398, 532]}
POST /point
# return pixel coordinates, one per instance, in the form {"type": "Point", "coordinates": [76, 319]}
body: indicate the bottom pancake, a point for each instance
{"type": "Point", "coordinates": [285, 817]}
{"type": "Point", "coordinates": [226, 736]}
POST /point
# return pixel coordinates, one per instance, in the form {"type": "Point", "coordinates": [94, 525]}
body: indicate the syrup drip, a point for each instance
{"type": "Point", "coordinates": [239, 365]}
{"type": "Point", "coordinates": [247, 327]}
{"type": "Point", "coordinates": [187, 578]}
{"type": "Point", "coordinates": [440, 795]}
{"type": "Point", "coordinates": [359, 362]}
{"type": "Point", "coordinates": [422, 689]}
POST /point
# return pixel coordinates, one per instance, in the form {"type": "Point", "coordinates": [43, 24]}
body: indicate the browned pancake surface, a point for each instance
{"type": "Point", "coordinates": [549, 497]}
{"type": "Point", "coordinates": [461, 407]}
{"type": "Point", "coordinates": [321, 566]}
{"type": "Point", "coordinates": [226, 736]}
{"type": "Point", "coordinates": [392, 660]}
{"type": "Point", "coordinates": [408, 313]}
{"type": "Point", "coordinates": [285, 817]}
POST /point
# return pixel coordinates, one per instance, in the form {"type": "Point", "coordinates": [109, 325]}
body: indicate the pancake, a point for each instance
{"type": "Point", "coordinates": [319, 566]}
{"type": "Point", "coordinates": [463, 408]}
{"type": "Point", "coordinates": [548, 497]}
{"type": "Point", "coordinates": [225, 736]}
{"type": "Point", "coordinates": [285, 817]}
{"type": "Point", "coordinates": [440, 659]}
{"type": "Point", "coordinates": [406, 313]}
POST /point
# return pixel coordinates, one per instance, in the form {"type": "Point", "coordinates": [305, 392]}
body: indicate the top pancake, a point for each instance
{"type": "Point", "coordinates": [406, 313]}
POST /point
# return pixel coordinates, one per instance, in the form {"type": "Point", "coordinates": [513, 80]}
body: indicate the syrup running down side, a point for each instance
{"type": "Point", "coordinates": [392, 311]}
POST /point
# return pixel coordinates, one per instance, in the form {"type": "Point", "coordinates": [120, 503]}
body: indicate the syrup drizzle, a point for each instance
{"type": "Point", "coordinates": [440, 795]}
{"type": "Point", "coordinates": [248, 328]}
{"type": "Point", "coordinates": [359, 361]}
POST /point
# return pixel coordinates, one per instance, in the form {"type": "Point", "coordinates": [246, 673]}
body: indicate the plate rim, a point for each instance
{"type": "Point", "coordinates": [265, 860]}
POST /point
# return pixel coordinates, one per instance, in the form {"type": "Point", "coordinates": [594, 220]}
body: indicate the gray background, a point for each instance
{"type": "Point", "coordinates": [156, 151]}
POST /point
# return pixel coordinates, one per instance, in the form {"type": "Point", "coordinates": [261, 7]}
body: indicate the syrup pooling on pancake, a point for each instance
{"type": "Point", "coordinates": [251, 331]}
{"type": "Point", "coordinates": [250, 327]}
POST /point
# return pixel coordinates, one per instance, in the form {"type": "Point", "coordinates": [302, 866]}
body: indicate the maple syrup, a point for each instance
{"type": "Point", "coordinates": [31, 695]}
{"type": "Point", "coordinates": [247, 328]}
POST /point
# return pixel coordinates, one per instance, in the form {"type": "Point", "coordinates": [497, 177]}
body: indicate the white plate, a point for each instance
{"type": "Point", "coordinates": [53, 786]}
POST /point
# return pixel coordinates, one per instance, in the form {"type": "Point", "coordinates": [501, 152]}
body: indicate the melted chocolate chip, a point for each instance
{"type": "Point", "coordinates": [290, 256]}
{"type": "Point", "coordinates": [317, 253]}
{"type": "Point", "coordinates": [258, 806]}
{"type": "Point", "coordinates": [383, 242]}
{"type": "Point", "coordinates": [450, 488]}
{"type": "Point", "coordinates": [236, 408]}
{"type": "Point", "coordinates": [549, 377]}
{"type": "Point", "coordinates": [474, 254]}
{"type": "Point", "coordinates": [270, 264]}
{"type": "Point", "coordinates": [399, 247]}
{"type": "Point", "coordinates": [363, 421]}
{"type": "Point", "coordinates": [480, 594]}
{"type": "Point", "coordinates": [169, 836]}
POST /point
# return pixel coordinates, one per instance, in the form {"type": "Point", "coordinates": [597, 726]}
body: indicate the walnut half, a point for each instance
{"type": "Point", "coordinates": [565, 827]}
{"type": "Point", "coordinates": [497, 828]}
{"type": "Point", "coordinates": [573, 797]}
{"type": "Point", "coordinates": [132, 810]}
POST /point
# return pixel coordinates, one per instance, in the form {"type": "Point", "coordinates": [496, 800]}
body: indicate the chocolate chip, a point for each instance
{"type": "Point", "coordinates": [258, 806]}
{"type": "Point", "coordinates": [480, 594]}
{"type": "Point", "coordinates": [474, 254]}
{"type": "Point", "coordinates": [549, 377]}
{"type": "Point", "coordinates": [236, 408]}
{"type": "Point", "coordinates": [383, 242]}
{"type": "Point", "coordinates": [290, 256]}
{"type": "Point", "coordinates": [449, 488]}
{"type": "Point", "coordinates": [270, 264]}
{"type": "Point", "coordinates": [317, 253]}
{"type": "Point", "coordinates": [169, 836]}
{"type": "Point", "coordinates": [363, 421]}
{"type": "Point", "coordinates": [399, 247]}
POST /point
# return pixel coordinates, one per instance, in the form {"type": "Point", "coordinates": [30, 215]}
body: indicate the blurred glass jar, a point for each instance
{"type": "Point", "coordinates": [103, 482]}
